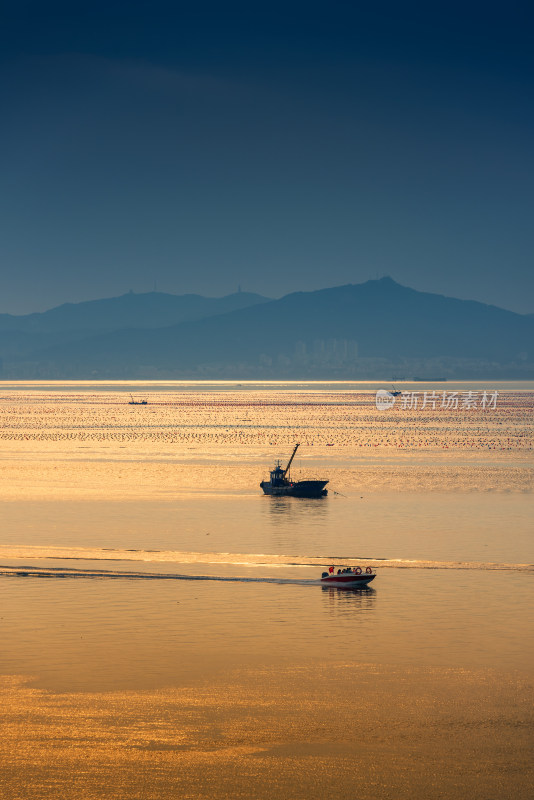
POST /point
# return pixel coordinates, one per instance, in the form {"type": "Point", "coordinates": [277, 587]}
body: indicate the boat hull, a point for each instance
{"type": "Point", "coordinates": [348, 581]}
{"type": "Point", "coordinates": [299, 489]}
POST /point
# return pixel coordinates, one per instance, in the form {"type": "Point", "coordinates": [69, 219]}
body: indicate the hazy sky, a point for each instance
{"type": "Point", "coordinates": [280, 146]}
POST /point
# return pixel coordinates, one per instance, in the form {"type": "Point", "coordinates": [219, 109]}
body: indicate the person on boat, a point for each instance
{"type": "Point", "coordinates": [331, 570]}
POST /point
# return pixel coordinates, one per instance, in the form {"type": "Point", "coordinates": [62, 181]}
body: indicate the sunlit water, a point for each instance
{"type": "Point", "coordinates": [137, 551]}
{"type": "Point", "coordinates": [241, 570]}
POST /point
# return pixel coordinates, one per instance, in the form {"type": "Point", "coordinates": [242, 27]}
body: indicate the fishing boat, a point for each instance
{"type": "Point", "coordinates": [348, 577]}
{"type": "Point", "coordinates": [281, 483]}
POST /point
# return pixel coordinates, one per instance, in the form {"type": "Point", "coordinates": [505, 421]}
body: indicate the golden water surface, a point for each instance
{"type": "Point", "coordinates": [164, 633]}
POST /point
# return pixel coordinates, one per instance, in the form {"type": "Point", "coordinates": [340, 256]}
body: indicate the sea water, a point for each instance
{"type": "Point", "coordinates": [138, 552]}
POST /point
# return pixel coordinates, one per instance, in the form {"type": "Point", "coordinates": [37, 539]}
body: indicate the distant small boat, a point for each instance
{"type": "Point", "coordinates": [133, 402]}
{"type": "Point", "coordinates": [348, 577]}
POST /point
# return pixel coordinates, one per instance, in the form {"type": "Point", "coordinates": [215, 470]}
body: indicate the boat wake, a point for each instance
{"type": "Point", "coordinates": [23, 555]}
{"type": "Point", "coordinates": [58, 572]}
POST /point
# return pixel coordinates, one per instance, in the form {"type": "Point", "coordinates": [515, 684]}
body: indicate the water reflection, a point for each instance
{"type": "Point", "coordinates": [280, 508]}
{"type": "Point", "coordinates": [348, 601]}
{"type": "Point", "coordinates": [295, 522]}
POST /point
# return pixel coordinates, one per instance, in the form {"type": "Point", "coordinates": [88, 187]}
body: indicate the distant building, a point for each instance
{"type": "Point", "coordinates": [352, 350]}
{"type": "Point", "coordinates": [318, 350]}
{"type": "Point", "coordinates": [335, 352]}
{"type": "Point", "coordinates": [301, 352]}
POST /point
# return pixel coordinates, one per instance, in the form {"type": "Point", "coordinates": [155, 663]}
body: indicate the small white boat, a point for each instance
{"type": "Point", "coordinates": [348, 577]}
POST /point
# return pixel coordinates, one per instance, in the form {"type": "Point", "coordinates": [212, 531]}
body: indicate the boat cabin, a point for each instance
{"type": "Point", "coordinates": [278, 476]}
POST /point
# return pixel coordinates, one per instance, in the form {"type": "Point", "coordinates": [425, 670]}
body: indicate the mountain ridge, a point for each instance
{"type": "Point", "coordinates": [89, 314]}
{"type": "Point", "coordinates": [337, 330]}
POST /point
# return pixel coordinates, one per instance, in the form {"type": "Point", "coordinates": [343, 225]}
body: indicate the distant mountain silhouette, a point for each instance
{"type": "Point", "coordinates": [150, 310]}
{"type": "Point", "coordinates": [20, 335]}
{"type": "Point", "coordinates": [341, 331]}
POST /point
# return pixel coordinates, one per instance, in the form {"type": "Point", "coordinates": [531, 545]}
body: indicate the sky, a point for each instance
{"type": "Point", "coordinates": [273, 146]}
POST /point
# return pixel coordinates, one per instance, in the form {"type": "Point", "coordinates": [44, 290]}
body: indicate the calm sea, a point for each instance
{"type": "Point", "coordinates": [138, 551]}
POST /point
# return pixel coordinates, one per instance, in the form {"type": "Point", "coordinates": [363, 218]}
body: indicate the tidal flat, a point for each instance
{"type": "Point", "coordinates": [164, 633]}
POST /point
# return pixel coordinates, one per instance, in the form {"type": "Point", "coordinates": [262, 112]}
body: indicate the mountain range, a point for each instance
{"type": "Point", "coordinates": [369, 330]}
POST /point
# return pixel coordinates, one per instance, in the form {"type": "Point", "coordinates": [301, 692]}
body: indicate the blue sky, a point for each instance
{"type": "Point", "coordinates": [274, 146]}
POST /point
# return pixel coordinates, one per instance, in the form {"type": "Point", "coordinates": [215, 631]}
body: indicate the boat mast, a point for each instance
{"type": "Point", "coordinates": [291, 459]}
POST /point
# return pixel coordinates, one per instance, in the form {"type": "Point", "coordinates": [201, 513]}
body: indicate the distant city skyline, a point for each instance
{"type": "Point", "coordinates": [280, 147]}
